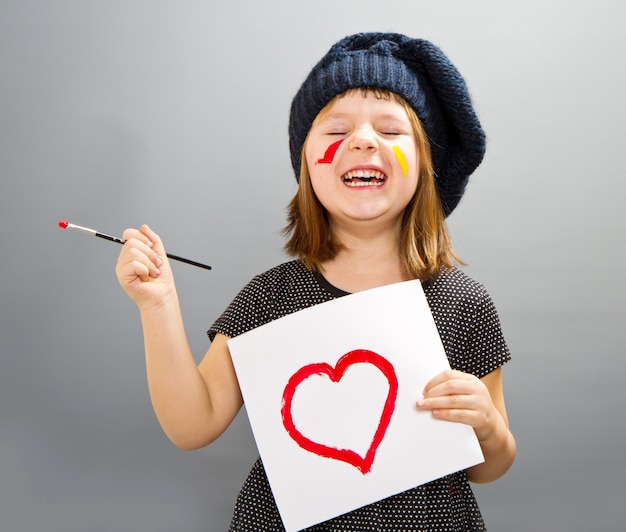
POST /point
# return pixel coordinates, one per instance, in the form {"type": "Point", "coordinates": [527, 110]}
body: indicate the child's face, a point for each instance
{"type": "Point", "coordinates": [362, 159]}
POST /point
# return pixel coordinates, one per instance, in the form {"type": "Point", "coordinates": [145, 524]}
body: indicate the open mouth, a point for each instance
{"type": "Point", "coordinates": [364, 178]}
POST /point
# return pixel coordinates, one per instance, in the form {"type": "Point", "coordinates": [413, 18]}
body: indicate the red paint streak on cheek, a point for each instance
{"type": "Point", "coordinates": [330, 153]}
{"type": "Point", "coordinates": [63, 224]}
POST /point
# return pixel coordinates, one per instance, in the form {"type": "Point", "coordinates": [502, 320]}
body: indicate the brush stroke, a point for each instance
{"type": "Point", "coordinates": [401, 159]}
{"type": "Point", "coordinates": [329, 155]}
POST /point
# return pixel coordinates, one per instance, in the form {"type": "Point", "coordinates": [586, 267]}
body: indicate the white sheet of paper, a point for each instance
{"type": "Point", "coordinates": [310, 486]}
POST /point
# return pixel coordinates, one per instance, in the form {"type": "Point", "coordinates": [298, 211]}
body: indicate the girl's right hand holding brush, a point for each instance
{"type": "Point", "coordinates": [143, 269]}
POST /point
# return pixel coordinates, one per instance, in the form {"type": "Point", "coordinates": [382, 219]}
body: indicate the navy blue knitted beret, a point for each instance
{"type": "Point", "coordinates": [419, 72]}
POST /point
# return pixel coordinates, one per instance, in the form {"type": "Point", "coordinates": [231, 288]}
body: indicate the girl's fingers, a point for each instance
{"type": "Point", "coordinates": [468, 417]}
{"type": "Point", "coordinates": [139, 258]}
{"type": "Point", "coordinates": [448, 382]}
{"type": "Point", "coordinates": [145, 229]}
{"type": "Point", "coordinates": [137, 234]}
{"type": "Point", "coordinates": [143, 259]}
{"type": "Point", "coordinates": [138, 245]}
{"type": "Point", "coordinates": [437, 380]}
{"type": "Point", "coordinates": [456, 402]}
{"type": "Point", "coordinates": [153, 238]}
{"type": "Point", "coordinates": [140, 270]}
{"type": "Point", "coordinates": [451, 390]}
{"type": "Point", "coordinates": [457, 396]}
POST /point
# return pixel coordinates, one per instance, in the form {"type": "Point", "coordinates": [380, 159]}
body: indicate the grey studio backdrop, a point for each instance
{"type": "Point", "coordinates": [114, 113]}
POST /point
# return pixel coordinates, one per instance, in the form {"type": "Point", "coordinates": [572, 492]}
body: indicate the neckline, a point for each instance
{"type": "Point", "coordinates": [330, 288]}
{"type": "Point", "coordinates": [338, 292]}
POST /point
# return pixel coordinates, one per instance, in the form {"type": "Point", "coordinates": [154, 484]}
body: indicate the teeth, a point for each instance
{"type": "Point", "coordinates": [359, 174]}
{"type": "Point", "coordinates": [364, 178]}
{"type": "Point", "coordinates": [363, 183]}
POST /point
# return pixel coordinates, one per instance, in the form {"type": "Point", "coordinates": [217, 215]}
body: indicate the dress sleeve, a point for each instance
{"type": "Point", "coordinates": [468, 324]}
{"type": "Point", "coordinates": [486, 348]}
{"type": "Point", "coordinates": [247, 311]}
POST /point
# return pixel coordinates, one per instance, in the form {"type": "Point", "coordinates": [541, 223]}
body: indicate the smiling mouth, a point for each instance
{"type": "Point", "coordinates": [364, 178]}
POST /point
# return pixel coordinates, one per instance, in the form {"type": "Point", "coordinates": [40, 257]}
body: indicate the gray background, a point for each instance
{"type": "Point", "coordinates": [113, 113]}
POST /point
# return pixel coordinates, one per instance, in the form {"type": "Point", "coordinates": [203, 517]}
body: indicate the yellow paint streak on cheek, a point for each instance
{"type": "Point", "coordinates": [401, 159]}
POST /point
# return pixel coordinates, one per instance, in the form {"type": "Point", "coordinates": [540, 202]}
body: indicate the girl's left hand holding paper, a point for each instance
{"type": "Point", "coordinates": [456, 396]}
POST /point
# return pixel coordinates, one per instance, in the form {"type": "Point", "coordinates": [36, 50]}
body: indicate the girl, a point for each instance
{"type": "Point", "coordinates": [383, 138]}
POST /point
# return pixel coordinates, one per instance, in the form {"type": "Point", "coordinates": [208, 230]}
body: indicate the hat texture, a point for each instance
{"type": "Point", "coordinates": [419, 72]}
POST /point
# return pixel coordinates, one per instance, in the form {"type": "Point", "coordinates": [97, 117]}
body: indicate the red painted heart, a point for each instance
{"type": "Point", "coordinates": [362, 463]}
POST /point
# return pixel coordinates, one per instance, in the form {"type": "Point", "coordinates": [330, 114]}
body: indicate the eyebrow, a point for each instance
{"type": "Point", "coordinates": [341, 115]}
{"type": "Point", "coordinates": [333, 119]}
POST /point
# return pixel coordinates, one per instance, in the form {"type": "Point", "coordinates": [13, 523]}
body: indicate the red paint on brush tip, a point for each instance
{"type": "Point", "coordinates": [330, 153]}
{"type": "Point", "coordinates": [63, 224]}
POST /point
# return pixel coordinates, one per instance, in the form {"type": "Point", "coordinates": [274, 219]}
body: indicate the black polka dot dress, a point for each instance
{"type": "Point", "coordinates": [471, 335]}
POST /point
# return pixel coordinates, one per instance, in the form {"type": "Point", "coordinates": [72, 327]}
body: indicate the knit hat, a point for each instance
{"type": "Point", "coordinates": [419, 72]}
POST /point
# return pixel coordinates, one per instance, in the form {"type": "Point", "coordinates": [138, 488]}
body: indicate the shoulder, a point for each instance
{"type": "Point", "coordinates": [454, 286]}
{"type": "Point", "coordinates": [283, 278]}
{"type": "Point", "coordinates": [468, 323]}
{"type": "Point", "coordinates": [454, 297]}
{"type": "Point", "coordinates": [292, 269]}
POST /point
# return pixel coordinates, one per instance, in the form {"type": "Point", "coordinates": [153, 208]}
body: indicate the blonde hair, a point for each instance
{"type": "Point", "coordinates": [425, 244]}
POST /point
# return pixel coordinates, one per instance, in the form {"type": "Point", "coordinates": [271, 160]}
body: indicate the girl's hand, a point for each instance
{"type": "Point", "coordinates": [143, 269]}
{"type": "Point", "coordinates": [456, 396]}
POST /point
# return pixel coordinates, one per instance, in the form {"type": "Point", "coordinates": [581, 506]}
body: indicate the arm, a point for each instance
{"type": "Point", "coordinates": [461, 397]}
{"type": "Point", "coordinates": [194, 404]}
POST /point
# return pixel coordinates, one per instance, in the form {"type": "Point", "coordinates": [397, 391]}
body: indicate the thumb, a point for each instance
{"type": "Point", "coordinates": [155, 242]}
{"type": "Point", "coordinates": [154, 238]}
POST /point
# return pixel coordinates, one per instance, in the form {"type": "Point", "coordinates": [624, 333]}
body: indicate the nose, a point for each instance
{"type": "Point", "coordinates": [363, 139]}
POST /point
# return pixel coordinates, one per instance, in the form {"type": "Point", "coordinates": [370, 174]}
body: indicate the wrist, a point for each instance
{"type": "Point", "coordinates": [494, 432]}
{"type": "Point", "coordinates": [166, 303]}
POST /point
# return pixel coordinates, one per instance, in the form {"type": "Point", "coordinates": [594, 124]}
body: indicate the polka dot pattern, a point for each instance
{"type": "Point", "coordinates": [470, 332]}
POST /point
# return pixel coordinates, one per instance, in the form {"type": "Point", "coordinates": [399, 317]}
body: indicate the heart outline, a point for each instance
{"type": "Point", "coordinates": [362, 463]}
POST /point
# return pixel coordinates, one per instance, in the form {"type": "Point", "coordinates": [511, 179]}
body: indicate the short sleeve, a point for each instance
{"type": "Point", "coordinates": [486, 349]}
{"type": "Point", "coordinates": [249, 309]}
{"type": "Point", "coordinates": [468, 324]}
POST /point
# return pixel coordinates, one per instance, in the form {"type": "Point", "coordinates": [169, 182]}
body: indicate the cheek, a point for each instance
{"type": "Point", "coordinates": [329, 154]}
{"type": "Point", "coordinates": [404, 166]}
